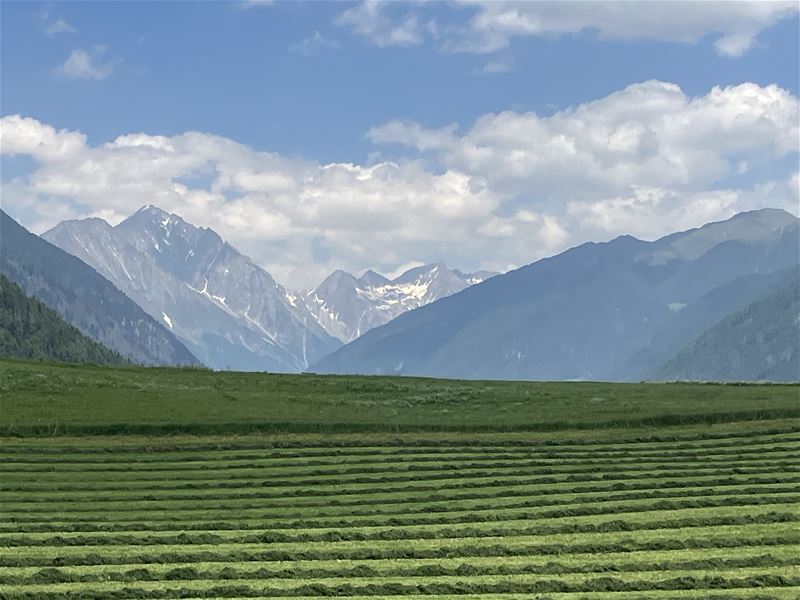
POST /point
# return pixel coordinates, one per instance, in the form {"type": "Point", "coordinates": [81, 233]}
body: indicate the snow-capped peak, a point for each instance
{"type": "Point", "coordinates": [347, 306]}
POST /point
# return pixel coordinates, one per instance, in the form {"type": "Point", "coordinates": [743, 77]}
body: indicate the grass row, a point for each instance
{"type": "Point", "coordinates": [572, 562]}
{"type": "Point", "coordinates": [345, 501]}
{"type": "Point", "coordinates": [733, 537]}
{"type": "Point", "coordinates": [44, 487]}
{"type": "Point", "coordinates": [251, 469]}
{"type": "Point", "coordinates": [582, 524]}
{"type": "Point", "coordinates": [106, 449]}
{"type": "Point", "coordinates": [522, 583]}
{"type": "Point", "coordinates": [380, 492]}
{"type": "Point", "coordinates": [365, 570]}
{"type": "Point", "coordinates": [452, 517]}
{"type": "Point", "coordinates": [390, 513]}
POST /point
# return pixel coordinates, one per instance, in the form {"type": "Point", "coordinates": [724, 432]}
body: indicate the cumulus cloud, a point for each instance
{"type": "Point", "coordinates": [83, 64]}
{"type": "Point", "coordinates": [488, 26]}
{"type": "Point", "coordinates": [22, 135]}
{"type": "Point", "coordinates": [509, 189]}
{"type": "Point", "coordinates": [648, 134]}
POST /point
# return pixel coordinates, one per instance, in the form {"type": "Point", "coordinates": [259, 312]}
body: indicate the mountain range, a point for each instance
{"type": "Point", "coordinates": [618, 310]}
{"type": "Point", "coordinates": [348, 307]}
{"type": "Point", "coordinates": [85, 299]}
{"type": "Point", "coordinates": [717, 302]}
{"type": "Point", "coordinates": [226, 309]}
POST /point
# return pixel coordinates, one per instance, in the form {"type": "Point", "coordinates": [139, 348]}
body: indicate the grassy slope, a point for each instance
{"type": "Point", "coordinates": [49, 398]}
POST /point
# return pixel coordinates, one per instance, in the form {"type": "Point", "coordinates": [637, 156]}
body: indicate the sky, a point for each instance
{"type": "Point", "coordinates": [326, 135]}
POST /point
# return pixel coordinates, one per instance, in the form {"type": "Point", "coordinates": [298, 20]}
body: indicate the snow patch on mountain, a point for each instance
{"type": "Point", "coordinates": [347, 307]}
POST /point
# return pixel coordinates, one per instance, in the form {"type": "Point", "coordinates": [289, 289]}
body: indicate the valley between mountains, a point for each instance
{"type": "Point", "coordinates": [226, 309]}
{"type": "Point", "coordinates": [159, 290]}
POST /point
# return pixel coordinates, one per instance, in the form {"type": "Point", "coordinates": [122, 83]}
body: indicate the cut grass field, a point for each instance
{"type": "Point", "coordinates": [122, 483]}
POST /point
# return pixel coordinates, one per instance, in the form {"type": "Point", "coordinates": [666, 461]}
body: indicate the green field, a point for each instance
{"type": "Point", "coordinates": [121, 483]}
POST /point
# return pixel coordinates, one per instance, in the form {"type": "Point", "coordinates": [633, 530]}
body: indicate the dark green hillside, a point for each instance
{"type": "Point", "coordinates": [29, 329]}
{"type": "Point", "coordinates": [758, 343]}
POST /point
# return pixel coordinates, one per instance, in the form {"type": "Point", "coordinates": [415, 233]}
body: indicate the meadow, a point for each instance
{"type": "Point", "coordinates": [121, 483]}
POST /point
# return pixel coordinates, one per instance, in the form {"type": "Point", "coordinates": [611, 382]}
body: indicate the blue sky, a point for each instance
{"type": "Point", "coordinates": [318, 83]}
{"type": "Point", "coordinates": [215, 67]}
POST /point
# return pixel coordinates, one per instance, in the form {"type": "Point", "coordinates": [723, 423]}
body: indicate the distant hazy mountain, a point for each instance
{"type": "Point", "coordinates": [592, 312]}
{"type": "Point", "coordinates": [85, 299]}
{"type": "Point", "coordinates": [225, 308]}
{"type": "Point", "coordinates": [759, 342]}
{"type": "Point", "coordinates": [31, 330]}
{"type": "Point", "coordinates": [347, 306]}
{"type": "Point", "coordinates": [684, 325]}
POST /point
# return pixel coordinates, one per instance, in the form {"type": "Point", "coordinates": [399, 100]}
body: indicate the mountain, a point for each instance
{"type": "Point", "coordinates": [684, 325]}
{"type": "Point", "coordinates": [85, 299]}
{"type": "Point", "coordinates": [31, 330]}
{"type": "Point", "coordinates": [587, 313]}
{"type": "Point", "coordinates": [760, 342]}
{"type": "Point", "coordinates": [227, 310]}
{"type": "Point", "coordinates": [347, 306]}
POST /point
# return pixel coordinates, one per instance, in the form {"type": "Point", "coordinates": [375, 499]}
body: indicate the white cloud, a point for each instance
{"type": "Point", "coordinates": [648, 134]}
{"type": "Point", "coordinates": [21, 135]}
{"type": "Point", "coordinates": [60, 26]}
{"type": "Point", "coordinates": [644, 212]}
{"type": "Point", "coordinates": [315, 43]}
{"type": "Point", "coordinates": [383, 25]}
{"type": "Point", "coordinates": [509, 189]}
{"type": "Point", "coordinates": [488, 26]}
{"type": "Point", "coordinates": [83, 64]}
{"type": "Point", "coordinates": [410, 133]}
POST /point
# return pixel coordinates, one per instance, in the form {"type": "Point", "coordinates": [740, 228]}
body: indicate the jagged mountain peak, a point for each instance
{"type": "Point", "coordinates": [151, 209]}
{"type": "Point", "coordinates": [347, 306]}
{"type": "Point", "coordinates": [426, 272]}
{"type": "Point", "coordinates": [229, 311]}
{"type": "Point", "coordinates": [154, 219]}
{"type": "Point", "coordinates": [150, 213]}
{"type": "Point", "coordinates": [335, 280]}
{"type": "Point", "coordinates": [372, 278]}
{"type": "Point", "coordinates": [339, 274]}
